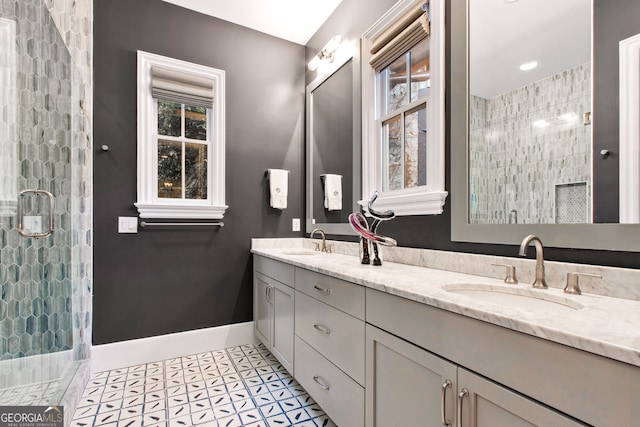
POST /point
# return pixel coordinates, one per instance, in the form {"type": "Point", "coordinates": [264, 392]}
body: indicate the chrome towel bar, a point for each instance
{"type": "Point", "coordinates": [144, 224]}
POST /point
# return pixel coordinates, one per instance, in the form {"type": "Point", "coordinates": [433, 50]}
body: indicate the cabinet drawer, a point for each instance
{"type": "Point", "coordinates": [275, 269]}
{"type": "Point", "coordinates": [333, 333]}
{"type": "Point", "coordinates": [337, 394]}
{"type": "Point", "coordinates": [343, 295]}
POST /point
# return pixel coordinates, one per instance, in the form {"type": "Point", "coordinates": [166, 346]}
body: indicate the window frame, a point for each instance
{"type": "Point", "coordinates": [149, 205]}
{"type": "Point", "coordinates": [421, 200]}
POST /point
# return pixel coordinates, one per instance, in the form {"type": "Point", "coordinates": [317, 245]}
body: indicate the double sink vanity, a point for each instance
{"type": "Point", "coordinates": [436, 338]}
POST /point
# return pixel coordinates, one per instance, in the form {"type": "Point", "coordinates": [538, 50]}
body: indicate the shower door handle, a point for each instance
{"type": "Point", "coordinates": [20, 215]}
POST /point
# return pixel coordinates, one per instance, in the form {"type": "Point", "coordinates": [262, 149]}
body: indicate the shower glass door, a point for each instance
{"type": "Point", "coordinates": [39, 353]}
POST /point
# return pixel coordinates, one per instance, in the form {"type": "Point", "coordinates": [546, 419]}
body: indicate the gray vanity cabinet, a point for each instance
{"type": "Point", "coordinates": [406, 385]}
{"type": "Point", "coordinates": [507, 378]}
{"type": "Point", "coordinates": [273, 308]}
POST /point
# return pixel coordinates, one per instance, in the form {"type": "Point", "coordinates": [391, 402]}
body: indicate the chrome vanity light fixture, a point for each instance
{"type": "Point", "coordinates": [326, 53]}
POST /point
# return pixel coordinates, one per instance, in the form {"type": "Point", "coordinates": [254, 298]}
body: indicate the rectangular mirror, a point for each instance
{"type": "Point", "coordinates": [563, 182]}
{"type": "Point", "coordinates": [333, 147]}
{"type": "Point", "coordinates": [529, 112]}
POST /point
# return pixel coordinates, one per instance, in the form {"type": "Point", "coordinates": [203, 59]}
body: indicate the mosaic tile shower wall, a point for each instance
{"type": "Point", "coordinates": [36, 285]}
{"type": "Point", "coordinates": [45, 299]}
{"type": "Point", "coordinates": [517, 159]}
{"type": "Point", "coordinates": [74, 21]}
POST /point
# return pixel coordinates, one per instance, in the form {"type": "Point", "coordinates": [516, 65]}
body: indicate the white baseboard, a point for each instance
{"type": "Point", "coordinates": [145, 350]}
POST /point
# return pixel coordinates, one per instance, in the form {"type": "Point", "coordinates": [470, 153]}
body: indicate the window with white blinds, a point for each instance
{"type": "Point", "coordinates": [403, 109]}
{"type": "Point", "coordinates": [185, 88]}
{"type": "Point", "coordinates": [181, 139]}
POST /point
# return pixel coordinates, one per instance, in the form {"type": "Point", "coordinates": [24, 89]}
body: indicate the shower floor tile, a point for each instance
{"type": "Point", "coordinates": [237, 386]}
{"type": "Point", "coordinates": [29, 395]}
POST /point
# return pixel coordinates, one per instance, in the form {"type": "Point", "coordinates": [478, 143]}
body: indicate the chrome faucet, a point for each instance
{"type": "Point", "coordinates": [324, 240]}
{"type": "Point", "coordinates": [539, 282]}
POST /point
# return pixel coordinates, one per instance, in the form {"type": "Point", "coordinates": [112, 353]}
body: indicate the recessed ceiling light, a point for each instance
{"type": "Point", "coordinates": [528, 66]}
{"type": "Point", "coordinates": [568, 117]}
{"type": "Point", "coordinates": [541, 123]}
{"type": "Point", "coordinates": [510, 1]}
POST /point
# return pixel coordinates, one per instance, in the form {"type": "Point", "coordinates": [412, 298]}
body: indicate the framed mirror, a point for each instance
{"type": "Point", "coordinates": [333, 145]}
{"type": "Point", "coordinates": [495, 197]}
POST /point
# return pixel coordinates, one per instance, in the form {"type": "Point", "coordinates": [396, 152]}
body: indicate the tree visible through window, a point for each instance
{"type": "Point", "coordinates": [406, 83]}
{"type": "Point", "coordinates": [182, 151]}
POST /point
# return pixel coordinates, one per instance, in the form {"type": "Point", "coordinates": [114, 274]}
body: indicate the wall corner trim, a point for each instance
{"type": "Point", "coordinates": [146, 350]}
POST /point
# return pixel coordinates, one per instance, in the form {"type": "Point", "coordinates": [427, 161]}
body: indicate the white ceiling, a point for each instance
{"type": "Point", "coordinates": [293, 20]}
{"type": "Point", "coordinates": [555, 33]}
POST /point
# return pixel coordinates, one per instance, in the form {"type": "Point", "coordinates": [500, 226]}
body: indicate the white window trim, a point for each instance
{"type": "Point", "coordinates": [629, 130]}
{"type": "Point", "coordinates": [148, 204]}
{"type": "Point", "coordinates": [423, 200]}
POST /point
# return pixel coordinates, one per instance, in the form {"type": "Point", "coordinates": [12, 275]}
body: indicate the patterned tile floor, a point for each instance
{"type": "Point", "coordinates": [238, 386]}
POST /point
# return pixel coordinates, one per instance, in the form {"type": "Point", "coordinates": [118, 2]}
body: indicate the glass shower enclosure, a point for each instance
{"type": "Point", "coordinates": [45, 213]}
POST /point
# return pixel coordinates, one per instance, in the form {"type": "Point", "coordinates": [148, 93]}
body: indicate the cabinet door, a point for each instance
{"type": "Point", "coordinates": [283, 311]}
{"type": "Point", "coordinates": [484, 403]}
{"type": "Point", "coordinates": [262, 308]}
{"type": "Point", "coordinates": [406, 384]}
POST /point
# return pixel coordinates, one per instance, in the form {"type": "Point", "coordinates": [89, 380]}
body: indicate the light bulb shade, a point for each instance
{"type": "Point", "coordinates": [314, 63]}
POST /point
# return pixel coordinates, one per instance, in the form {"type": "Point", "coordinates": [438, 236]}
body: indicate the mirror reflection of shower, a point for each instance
{"type": "Point", "coordinates": [529, 112]}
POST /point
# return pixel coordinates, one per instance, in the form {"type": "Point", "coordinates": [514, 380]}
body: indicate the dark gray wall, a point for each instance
{"type": "Point", "coordinates": [169, 280]}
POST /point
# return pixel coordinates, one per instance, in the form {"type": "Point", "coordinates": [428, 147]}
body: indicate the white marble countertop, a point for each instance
{"type": "Point", "coordinates": [603, 325]}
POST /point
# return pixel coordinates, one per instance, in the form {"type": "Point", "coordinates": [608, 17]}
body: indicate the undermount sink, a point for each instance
{"type": "Point", "coordinates": [301, 252]}
{"type": "Point", "coordinates": [527, 299]}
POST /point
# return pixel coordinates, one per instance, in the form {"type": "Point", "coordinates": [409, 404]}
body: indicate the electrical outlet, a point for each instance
{"type": "Point", "coordinates": [295, 224]}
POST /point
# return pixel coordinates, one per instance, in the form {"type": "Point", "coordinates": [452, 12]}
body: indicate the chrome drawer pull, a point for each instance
{"type": "Point", "coordinates": [322, 329]}
{"type": "Point", "coordinates": [322, 384]}
{"type": "Point", "coordinates": [463, 393]}
{"type": "Point", "coordinates": [321, 289]}
{"type": "Point", "coordinates": [443, 402]}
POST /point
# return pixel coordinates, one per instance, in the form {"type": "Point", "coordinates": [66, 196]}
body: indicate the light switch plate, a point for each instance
{"type": "Point", "coordinates": [127, 224]}
{"type": "Point", "coordinates": [295, 224]}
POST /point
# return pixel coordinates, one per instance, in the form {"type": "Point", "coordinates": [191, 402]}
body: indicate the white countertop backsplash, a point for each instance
{"type": "Point", "coordinates": [608, 324]}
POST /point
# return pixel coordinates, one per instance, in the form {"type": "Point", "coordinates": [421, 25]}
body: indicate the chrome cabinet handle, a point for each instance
{"type": "Point", "coordinates": [322, 328]}
{"type": "Point", "coordinates": [20, 214]}
{"type": "Point", "coordinates": [321, 289]}
{"type": "Point", "coordinates": [322, 383]}
{"type": "Point", "coordinates": [463, 393]}
{"type": "Point", "coordinates": [269, 292]}
{"type": "Point", "coordinates": [443, 408]}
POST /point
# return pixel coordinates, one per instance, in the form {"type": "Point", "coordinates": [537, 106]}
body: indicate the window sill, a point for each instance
{"type": "Point", "coordinates": [172, 211]}
{"type": "Point", "coordinates": [411, 202]}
